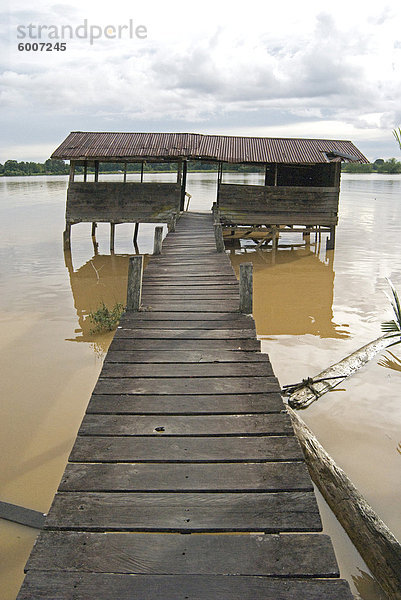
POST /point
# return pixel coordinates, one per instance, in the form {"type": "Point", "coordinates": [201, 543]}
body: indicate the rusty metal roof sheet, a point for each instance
{"type": "Point", "coordinates": [107, 146]}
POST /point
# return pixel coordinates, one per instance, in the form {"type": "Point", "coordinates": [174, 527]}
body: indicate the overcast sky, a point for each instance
{"type": "Point", "coordinates": [263, 68]}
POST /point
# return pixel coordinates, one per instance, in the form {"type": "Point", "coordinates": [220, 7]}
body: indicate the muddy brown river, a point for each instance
{"type": "Point", "coordinates": [312, 308]}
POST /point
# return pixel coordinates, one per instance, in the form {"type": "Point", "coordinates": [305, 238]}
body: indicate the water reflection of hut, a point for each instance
{"type": "Point", "coordinates": [293, 295]}
{"type": "Point", "coordinates": [301, 180]}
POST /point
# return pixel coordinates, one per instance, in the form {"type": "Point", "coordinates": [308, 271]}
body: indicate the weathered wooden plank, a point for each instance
{"type": "Point", "coordinates": [190, 334]}
{"type": "Point", "coordinates": [202, 385]}
{"type": "Point", "coordinates": [231, 369]}
{"type": "Point", "coordinates": [192, 295]}
{"type": "Point", "coordinates": [145, 323]}
{"type": "Point", "coordinates": [181, 316]}
{"type": "Point", "coordinates": [195, 305]}
{"type": "Point", "coordinates": [185, 357]}
{"type": "Point", "coordinates": [291, 555]}
{"type": "Point", "coordinates": [196, 477]}
{"type": "Point", "coordinates": [203, 425]}
{"type": "Point", "coordinates": [217, 282]}
{"type": "Point", "coordinates": [246, 345]}
{"type": "Point", "coordinates": [184, 449]}
{"type": "Point", "coordinates": [22, 515]}
{"type": "Point", "coordinates": [185, 404]}
{"type": "Point", "coordinates": [107, 586]}
{"type": "Point", "coordinates": [169, 512]}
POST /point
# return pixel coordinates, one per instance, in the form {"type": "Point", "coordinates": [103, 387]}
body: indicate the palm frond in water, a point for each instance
{"type": "Point", "coordinates": [393, 328]}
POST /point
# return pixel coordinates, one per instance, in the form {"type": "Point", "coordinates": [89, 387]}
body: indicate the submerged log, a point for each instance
{"type": "Point", "coordinates": [371, 537]}
{"type": "Point", "coordinates": [311, 389]}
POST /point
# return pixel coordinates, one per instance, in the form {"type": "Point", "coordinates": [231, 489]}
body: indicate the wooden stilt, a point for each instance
{"type": "Point", "coordinates": [94, 225]}
{"type": "Point", "coordinates": [67, 236]}
{"type": "Point", "coordinates": [136, 229]}
{"type": "Point", "coordinates": [331, 240]}
{"type": "Point", "coordinates": [112, 236]}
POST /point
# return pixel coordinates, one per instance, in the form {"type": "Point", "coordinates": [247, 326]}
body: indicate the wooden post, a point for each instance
{"type": "Point", "coordinates": [218, 234]}
{"type": "Point", "coordinates": [183, 185]}
{"type": "Point", "coordinates": [125, 172]}
{"type": "Point", "coordinates": [85, 172]}
{"type": "Point", "coordinates": [172, 223]}
{"type": "Point", "coordinates": [72, 172]}
{"type": "Point", "coordinates": [246, 288]}
{"type": "Point", "coordinates": [179, 171]}
{"type": "Point", "coordinates": [96, 171]}
{"type": "Point", "coordinates": [158, 241]}
{"type": "Point", "coordinates": [142, 172]}
{"type": "Point", "coordinates": [134, 286]}
{"type": "Point", "coordinates": [370, 536]}
{"type": "Point", "coordinates": [275, 174]}
{"type": "Point", "coordinates": [94, 225]}
{"type": "Point", "coordinates": [67, 236]}
{"type": "Point", "coordinates": [136, 233]}
{"type": "Point", "coordinates": [112, 236]}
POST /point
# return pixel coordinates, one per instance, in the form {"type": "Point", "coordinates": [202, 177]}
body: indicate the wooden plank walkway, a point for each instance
{"type": "Point", "coordinates": [185, 433]}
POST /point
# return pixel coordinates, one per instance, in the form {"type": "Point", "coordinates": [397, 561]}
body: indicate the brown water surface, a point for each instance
{"type": "Point", "coordinates": [312, 308]}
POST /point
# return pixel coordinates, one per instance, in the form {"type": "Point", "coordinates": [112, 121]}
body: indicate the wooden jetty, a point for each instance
{"type": "Point", "coordinates": [186, 480]}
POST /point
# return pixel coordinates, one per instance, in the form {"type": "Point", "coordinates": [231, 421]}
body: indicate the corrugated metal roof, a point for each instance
{"type": "Point", "coordinates": [80, 145]}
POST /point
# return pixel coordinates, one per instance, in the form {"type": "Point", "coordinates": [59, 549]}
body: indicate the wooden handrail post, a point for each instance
{"type": "Point", "coordinates": [173, 222]}
{"type": "Point", "coordinates": [134, 287]}
{"type": "Point", "coordinates": [158, 241]}
{"type": "Point", "coordinates": [218, 234]}
{"type": "Point", "coordinates": [246, 288]}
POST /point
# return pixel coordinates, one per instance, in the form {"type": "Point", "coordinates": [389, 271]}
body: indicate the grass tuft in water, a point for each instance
{"type": "Point", "coordinates": [106, 319]}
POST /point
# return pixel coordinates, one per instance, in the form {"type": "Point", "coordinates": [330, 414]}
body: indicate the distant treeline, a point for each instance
{"type": "Point", "coordinates": [59, 167]}
{"type": "Point", "coordinates": [391, 167]}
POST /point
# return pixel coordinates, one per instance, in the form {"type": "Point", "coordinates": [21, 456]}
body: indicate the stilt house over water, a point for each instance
{"type": "Point", "coordinates": [301, 179]}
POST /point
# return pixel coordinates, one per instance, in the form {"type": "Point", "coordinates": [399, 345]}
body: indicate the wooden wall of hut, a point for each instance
{"type": "Point", "coordinates": [118, 202]}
